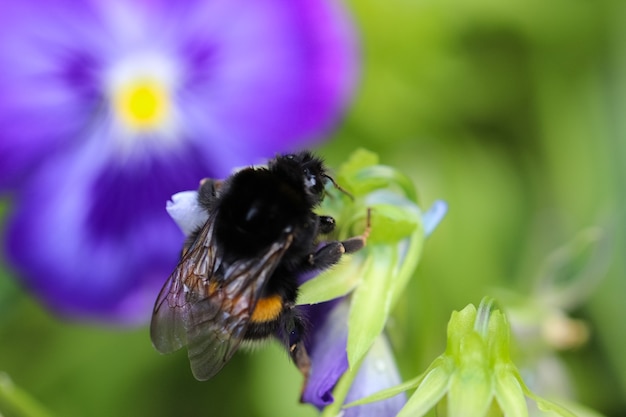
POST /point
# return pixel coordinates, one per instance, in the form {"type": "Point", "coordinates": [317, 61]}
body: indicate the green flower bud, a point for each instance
{"type": "Point", "coordinates": [475, 376]}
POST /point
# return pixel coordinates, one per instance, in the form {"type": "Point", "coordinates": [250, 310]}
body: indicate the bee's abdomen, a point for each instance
{"type": "Point", "coordinates": [266, 318]}
{"type": "Point", "coordinates": [267, 309]}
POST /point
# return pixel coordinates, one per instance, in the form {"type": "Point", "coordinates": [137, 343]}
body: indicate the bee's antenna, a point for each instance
{"type": "Point", "coordinates": [337, 186]}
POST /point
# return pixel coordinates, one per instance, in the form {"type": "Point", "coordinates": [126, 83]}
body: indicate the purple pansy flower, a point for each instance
{"type": "Point", "coordinates": [109, 107]}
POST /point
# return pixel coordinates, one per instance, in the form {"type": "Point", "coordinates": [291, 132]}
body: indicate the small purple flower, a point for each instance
{"type": "Point", "coordinates": [329, 360]}
{"type": "Point", "coordinates": [109, 107]}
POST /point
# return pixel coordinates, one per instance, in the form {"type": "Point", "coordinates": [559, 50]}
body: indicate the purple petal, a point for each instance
{"type": "Point", "coordinates": [256, 77]}
{"type": "Point", "coordinates": [433, 216]}
{"type": "Point", "coordinates": [299, 53]}
{"type": "Point", "coordinates": [186, 211]}
{"type": "Point", "coordinates": [378, 372]}
{"type": "Point", "coordinates": [46, 83]}
{"type": "Point", "coordinates": [329, 361]}
{"type": "Point", "coordinates": [92, 239]}
{"type": "Point", "coordinates": [327, 349]}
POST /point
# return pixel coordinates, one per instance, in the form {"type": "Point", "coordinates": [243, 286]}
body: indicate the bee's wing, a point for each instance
{"type": "Point", "coordinates": [207, 305]}
{"type": "Point", "coordinates": [171, 314]}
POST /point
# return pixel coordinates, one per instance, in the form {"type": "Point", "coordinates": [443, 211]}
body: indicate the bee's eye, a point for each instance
{"type": "Point", "coordinates": [309, 179]}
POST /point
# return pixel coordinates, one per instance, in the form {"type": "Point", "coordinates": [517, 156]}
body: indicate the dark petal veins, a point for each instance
{"type": "Point", "coordinates": [127, 191]}
{"type": "Point", "coordinates": [109, 262]}
{"type": "Point", "coordinates": [47, 91]}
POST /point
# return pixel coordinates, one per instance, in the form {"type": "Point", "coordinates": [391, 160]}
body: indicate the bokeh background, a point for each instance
{"type": "Point", "coordinates": [515, 114]}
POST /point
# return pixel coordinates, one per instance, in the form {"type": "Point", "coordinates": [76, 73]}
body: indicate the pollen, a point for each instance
{"type": "Point", "coordinates": [267, 309]}
{"type": "Point", "coordinates": [142, 104]}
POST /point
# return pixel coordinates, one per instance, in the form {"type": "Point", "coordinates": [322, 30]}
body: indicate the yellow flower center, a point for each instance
{"type": "Point", "coordinates": [143, 104]}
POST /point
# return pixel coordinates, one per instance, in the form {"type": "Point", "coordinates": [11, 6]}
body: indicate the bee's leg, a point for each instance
{"type": "Point", "coordinates": [207, 191]}
{"type": "Point", "coordinates": [331, 253]}
{"type": "Point", "coordinates": [300, 358]}
{"type": "Point", "coordinates": [327, 224]}
{"type": "Point", "coordinates": [292, 335]}
{"type": "Point", "coordinates": [356, 243]}
{"type": "Point", "coordinates": [210, 184]}
{"type": "Point", "coordinates": [326, 256]}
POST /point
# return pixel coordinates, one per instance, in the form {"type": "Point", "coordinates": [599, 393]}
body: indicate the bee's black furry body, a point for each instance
{"type": "Point", "coordinates": [252, 208]}
{"type": "Point", "coordinates": [238, 279]}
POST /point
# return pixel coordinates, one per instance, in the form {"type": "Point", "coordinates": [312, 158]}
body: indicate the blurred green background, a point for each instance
{"type": "Point", "coordinates": [514, 113]}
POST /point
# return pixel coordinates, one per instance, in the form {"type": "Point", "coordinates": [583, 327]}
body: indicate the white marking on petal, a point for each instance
{"type": "Point", "coordinates": [185, 210]}
{"type": "Point", "coordinates": [131, 70]}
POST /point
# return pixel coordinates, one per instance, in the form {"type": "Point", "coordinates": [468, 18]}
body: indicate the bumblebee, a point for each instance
{"type": "Point", "coordinates": [237, 279]}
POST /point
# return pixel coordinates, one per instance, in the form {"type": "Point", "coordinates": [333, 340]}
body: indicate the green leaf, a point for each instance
{"type": "Point", "coordinates": [542, 403]}
{"type": "Point", "coordinates": [431, 390]}
{"type": "Point", "coordinates": [470, 393]}
{"type": "Point", "coordinates": [395, 256]}
{"type": "Point", "coordinates": [546, 405]}
{"type": "Point", "coordinates": [391, 223]}
{"type": "Point", "coordinates": [378, 177]}
{"type": "Point", "coordinates": [471, 388]}
{"type": "Point", "coordinates": [460, 325]}
{"type": "Point", "coordinates": [359, 159]}
{"type": "Point", "coordinates": [370, 302]}
{"type": "Point", "coordinates": [334, 283]}
{"type": "Point", "coordinates": [509, 393]}
{"type": "Point", "coordinates": [411, 251]}
{"type": "Point", "coordinates": [389, 392]}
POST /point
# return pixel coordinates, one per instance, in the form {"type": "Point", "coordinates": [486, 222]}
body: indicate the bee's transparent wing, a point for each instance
{"type": "Point", "coordinates": [170, 317]}
{"type": "Point", "coordinates": [206, 304]}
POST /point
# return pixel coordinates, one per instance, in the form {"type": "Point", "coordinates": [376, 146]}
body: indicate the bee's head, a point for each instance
{"type": "Point", "coordinates": [305, 170]}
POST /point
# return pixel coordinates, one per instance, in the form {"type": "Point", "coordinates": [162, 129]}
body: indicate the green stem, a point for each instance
{"type": "Point", "coordinates": [15, 402]}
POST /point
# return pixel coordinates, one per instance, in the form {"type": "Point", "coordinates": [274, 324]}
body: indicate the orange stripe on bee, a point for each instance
{"type": "Point", "coordinates": [267, 309]}
{"type": "Point", "coordinates": [212, 288]}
